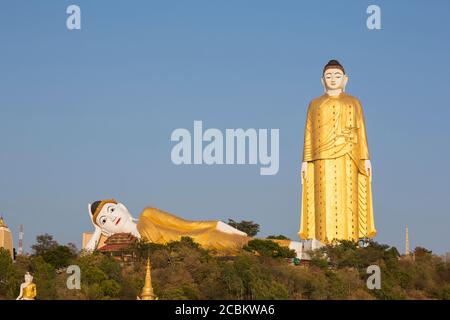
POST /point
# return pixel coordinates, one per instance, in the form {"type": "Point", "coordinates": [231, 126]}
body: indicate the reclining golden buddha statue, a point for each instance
{"type": "Point", "coordinates": [111, 217]}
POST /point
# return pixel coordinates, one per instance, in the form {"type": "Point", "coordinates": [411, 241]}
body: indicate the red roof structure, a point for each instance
{"type": "Point", "coordinates": [120, 246]}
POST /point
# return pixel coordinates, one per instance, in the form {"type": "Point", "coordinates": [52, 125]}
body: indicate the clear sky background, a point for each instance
{"type": "Point", "coordinates": [88, 114]}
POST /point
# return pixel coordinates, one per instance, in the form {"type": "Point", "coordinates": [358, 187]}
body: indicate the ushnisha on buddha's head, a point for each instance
{"type": "Point", "coordinates": [334, 78]}
{"type": "Point", "coordinates": [112, 217]}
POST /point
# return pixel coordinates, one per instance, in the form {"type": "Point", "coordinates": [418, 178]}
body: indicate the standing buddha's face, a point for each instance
{"type": "Point", "coordinates": [334, 79]}
{"type": "Point", "coordinates": [114, 218]}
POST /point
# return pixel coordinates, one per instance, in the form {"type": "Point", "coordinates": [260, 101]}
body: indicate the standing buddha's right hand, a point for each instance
{"type": "Point", "coordinates": [303, 171]}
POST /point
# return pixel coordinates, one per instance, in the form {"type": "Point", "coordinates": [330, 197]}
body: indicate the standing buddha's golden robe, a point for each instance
{"type": "Point", "coordinates": [336, 194]}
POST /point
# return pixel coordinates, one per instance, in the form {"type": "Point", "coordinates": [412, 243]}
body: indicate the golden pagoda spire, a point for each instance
{"type": "Point", "coordinates": [147, 290]}
{"type": "Point", "coordinates": [2, 222]}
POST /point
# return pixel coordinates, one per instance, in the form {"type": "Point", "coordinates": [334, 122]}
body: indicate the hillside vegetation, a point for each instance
{"type": "Point", "coordinates": [263, 270]}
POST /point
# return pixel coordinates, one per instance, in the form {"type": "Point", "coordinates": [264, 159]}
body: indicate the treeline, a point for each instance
{"type": "Point", "coordinates": [263, 270]}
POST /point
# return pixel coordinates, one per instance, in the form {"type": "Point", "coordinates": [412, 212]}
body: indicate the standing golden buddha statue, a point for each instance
{"type": "Point", "coordinates": [336, 170]}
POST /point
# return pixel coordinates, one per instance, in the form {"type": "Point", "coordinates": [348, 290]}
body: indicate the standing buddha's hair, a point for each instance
{"type": "Point", "coordinates": [333, 64]}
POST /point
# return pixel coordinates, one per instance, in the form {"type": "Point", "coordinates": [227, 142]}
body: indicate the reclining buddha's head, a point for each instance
{"type": "Point", "coordinates": [111, 217]}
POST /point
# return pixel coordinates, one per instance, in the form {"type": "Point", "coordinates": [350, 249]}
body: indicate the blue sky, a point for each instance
{"type": "Point", "coordinates": [88, 114]}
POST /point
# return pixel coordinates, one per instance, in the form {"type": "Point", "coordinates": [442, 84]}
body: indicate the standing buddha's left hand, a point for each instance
{"type": "Point", "coordinates": [368, 167]}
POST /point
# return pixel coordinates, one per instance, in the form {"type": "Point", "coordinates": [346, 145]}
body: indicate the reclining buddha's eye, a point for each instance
{"type": "Point", "coordinates": [111, 209]}
{"type": "Point", "coordinates": [102, 220]}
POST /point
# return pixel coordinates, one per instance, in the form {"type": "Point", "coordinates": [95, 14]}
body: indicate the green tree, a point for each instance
{"type": "Point", "coordinates": [101, 277]}
{"type": "Point", "coordinates": [318, 259]}
{"type": "Point", "coordinates": [59, 256]}
{"type": "Point", "coordinates": [184, 241]}
{"type": "Point", "coordinates": [44, 275]}
{"type": "Point", "coordinates": [143, 248]}
{"type": "Point", "coordinates": [269, 248]}
{"type": "Point", "coordinates": [6, 264]}
{"type": "Point", "coordinates": [43, 243]}
{"type": "Point", "coordinates": [73, 248]}
{"type": "Point", "coordinates": [249, 227]}
{"type": "Point", "coordinates": [278, 237]}
{"type": "Point", "coordinates": [52, 252]}
{"type": "Point", "coordinates": [15, 276]}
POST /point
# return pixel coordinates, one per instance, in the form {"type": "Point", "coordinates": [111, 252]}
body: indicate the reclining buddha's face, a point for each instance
{"type": "Point", "coordinates": [114, 218]}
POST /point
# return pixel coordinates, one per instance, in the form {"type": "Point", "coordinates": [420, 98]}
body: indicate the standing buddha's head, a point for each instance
{"type": "Point", "coordinates": [333, 76]}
